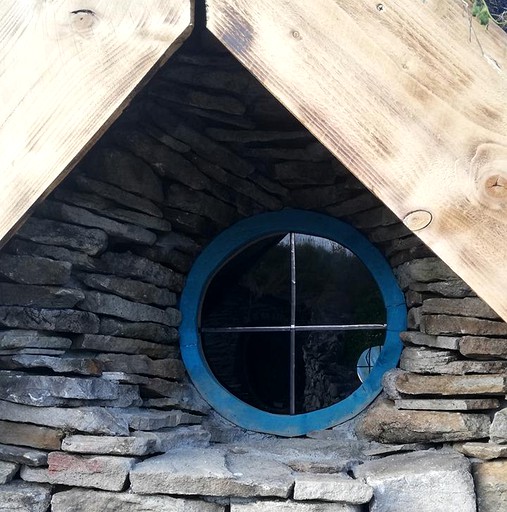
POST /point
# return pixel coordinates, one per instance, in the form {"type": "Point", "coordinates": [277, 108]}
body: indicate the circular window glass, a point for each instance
{"type": "Point", "coordinates": [290, 320]}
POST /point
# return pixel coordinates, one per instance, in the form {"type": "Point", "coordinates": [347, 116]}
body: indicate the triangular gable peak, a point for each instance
{"type": "Point", "coordinates": [411, 96]}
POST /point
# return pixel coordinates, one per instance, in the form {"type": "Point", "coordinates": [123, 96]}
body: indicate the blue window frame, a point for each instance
{"type": "Point", "coordinates": [233, 241]}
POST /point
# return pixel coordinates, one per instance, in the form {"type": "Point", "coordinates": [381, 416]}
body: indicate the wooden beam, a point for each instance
{"type": "Point", "coordinates": [411, 95]}
{"type": "Point", "coordinates": [67, 69]}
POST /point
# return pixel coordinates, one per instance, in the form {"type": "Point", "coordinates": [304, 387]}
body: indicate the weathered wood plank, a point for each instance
{"type": "Point", "coordinates": [411, 95]}
{"type": "Point", "coordinates": [67, 68]}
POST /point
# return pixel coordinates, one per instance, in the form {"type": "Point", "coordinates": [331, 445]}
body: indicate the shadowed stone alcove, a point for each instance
{"type": "Point", "coordinates": [92, 386]}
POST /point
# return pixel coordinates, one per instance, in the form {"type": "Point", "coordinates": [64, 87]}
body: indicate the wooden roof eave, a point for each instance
{"type": "Point", "coordinates": [411, 96]}
{"type": "Point", "coordinates": [66, 73]}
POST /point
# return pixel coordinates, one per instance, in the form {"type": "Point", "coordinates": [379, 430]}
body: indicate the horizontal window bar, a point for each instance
{"type": "Point", "coordinates": [288, 328]}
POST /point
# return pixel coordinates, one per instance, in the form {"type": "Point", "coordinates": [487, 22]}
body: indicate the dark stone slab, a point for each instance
{"type": "Point", "coordinates": [202, 145]}
{"type": "Point", "coordinates": [79, 260]}
{"type": "Point", "coordinates": [460, 325]}
{"type": "Point", "coordinates": [108, 209]}
{"type": "Point", "coordinates": [94, 420]}
{"type": "Point", "coordinates": [126, 171]}
{"type": "Point", "coordinates": [164, 138]}
{"type": "Point", "coordinates": [63, 320]}
{"type": "Point", "coordinates": [173, 258]}
{"type": "Point", "coordinates": [425, 270]}
{"type": "Point", "coordinates": [168, 163]}
{"type": "Point", "coordinates": [193, 113]}
{"type": "Point", "coordinates": [313, 152]}
{"type": "Point", "coordinates": [32, 351]}
{"type": "Point", "coordinates": [26, 456]}
{"type": "Point", "coordinates": [144, 330]}
{"type": "Point", "coordinates": [34, 270]}
{"type": "Point", "coordinates": [24, 434]}
{"type": "Point", "coordinates": [379, 216]}
{"type": "Point", "coordinates": [248, 136]}
{"type": "Point", "coordinates": [61, 364]}
{"type": "Point", "coordinates": [15, 386]}
{"type": "Point", "coordinates": [467, 306]}
{"type": "Point", "coordinates": [8, 471]}
{"type": "Point", "coordinates": [301, 174]}
{"type": "Point", "coordinates": [190, 223]}
{"type": "Point", "coordinates": [83, 217]}
{"type": "Point", "coordinates": [152, 419]}
{"type": "Point", "coordinates": [112, 305]}
{"type": "Point", "coordinates": [247, 188]}
{"type": "Point", "coordinates": [136, 291]}
{"type": "Point", "coordinates": [50, 232]}
{"type": "Point", "coordinates": [118, 195]}
{"type": "Point", "coordinates": [19, 338]}
{"type": "Point", "coordinates": [130, 265]}
{"type": "Point", "coordinates": [319, 197]}
{"type": "Point", "coordinates": [200, 203]}
{"type": "Point", "coordinates": [385, 233]}
{"type": "Point", "coordinates": [101, 343]}
{"type": "Point", "coordinates": [143, 365]}
{"type": "Point", "coordinates": [197, 98]}
{"type": "Point", "coordinates": [183, 243]}
{"type": "Point", "coordinates": [416, 253]}
{"type": "Point", "coordinates": [39, 296]}
{"type": "Point", "coordinates": [214, 76]}
{"type": "Point", "coordinates": [453, 288]}
{"type": "Point", "coordinates": [359, 203]}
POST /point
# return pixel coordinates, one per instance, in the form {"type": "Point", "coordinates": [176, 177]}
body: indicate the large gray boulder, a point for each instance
{"type": "Point", "coordinates": [424, 481]}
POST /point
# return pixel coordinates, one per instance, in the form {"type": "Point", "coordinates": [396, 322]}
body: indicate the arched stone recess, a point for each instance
{"type": "Point", "coordinates": [92, 385]}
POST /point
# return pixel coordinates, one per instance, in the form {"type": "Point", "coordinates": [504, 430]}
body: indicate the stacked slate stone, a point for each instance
{"type": "Point", "coordinates": [452, 381]}
{"type": "Point", "coordinates": [92, 387]}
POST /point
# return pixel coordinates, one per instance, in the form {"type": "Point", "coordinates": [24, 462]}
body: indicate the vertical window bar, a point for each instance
{"type": "Point", "coordinates": [292, 393]}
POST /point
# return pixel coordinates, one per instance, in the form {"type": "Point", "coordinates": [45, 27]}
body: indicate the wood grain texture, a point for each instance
{"type": "Point", "coordinates": [411, 95]}
{"type": "Point", "coordinates": [67, 69]}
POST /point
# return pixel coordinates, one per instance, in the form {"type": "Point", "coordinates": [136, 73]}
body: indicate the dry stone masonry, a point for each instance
{"type": "Point", "coordinates": [96, 410]}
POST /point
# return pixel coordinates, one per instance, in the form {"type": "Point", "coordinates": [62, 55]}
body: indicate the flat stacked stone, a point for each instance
{"type": "Point", "coordinates": [332, 487]}
{"type": "Point", "coordinates": [100, 472]}
{"type": "Point", "coordinates": [491, 485]}
{"type": "Point", "coordinates": [212, 471]}
{"type": "Point", "coordinates": [388, 424]}
{"type": "Point", "coordinates": [7, 471]}
{"type": "Point", "coordinates": [422, 481]}
{"type": "Point", "coordinates": [24, 497]}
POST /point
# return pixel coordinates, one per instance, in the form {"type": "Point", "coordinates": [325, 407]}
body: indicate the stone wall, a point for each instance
{"type": "Point", "coordinates": [96, 411]}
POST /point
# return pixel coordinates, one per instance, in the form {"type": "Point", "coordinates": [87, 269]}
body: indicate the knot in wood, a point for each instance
{"type": "Point", "coordinates": [496, 186]}
{"type": "Point", "coordinates": [417, 220]}
{"type": "Point", "coordinates": [489, 173]}
{"type": "Point", "coordinates": [82, 20]}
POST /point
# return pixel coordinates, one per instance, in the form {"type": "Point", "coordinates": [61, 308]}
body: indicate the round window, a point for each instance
{"type": "Point", "coordinates": [290, 320]}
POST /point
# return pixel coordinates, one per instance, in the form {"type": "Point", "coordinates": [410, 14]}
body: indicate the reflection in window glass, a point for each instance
{"type": "Point", "coordinates": [263, 304]}
{"type": "Point", "coordinates": [252, 289]}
